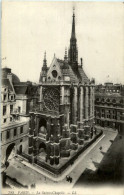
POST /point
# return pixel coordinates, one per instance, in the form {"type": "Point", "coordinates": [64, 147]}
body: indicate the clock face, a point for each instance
{"type": "Point", "coordinates": [51, 99]}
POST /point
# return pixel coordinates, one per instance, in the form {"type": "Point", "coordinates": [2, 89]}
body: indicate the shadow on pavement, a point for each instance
{"type": "Point", "coordinates": [110, 170]}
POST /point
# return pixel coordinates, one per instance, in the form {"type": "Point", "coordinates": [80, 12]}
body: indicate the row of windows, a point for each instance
{"type": "Point", "coordinates": [5, 120]}
{"type": "Point", "coordinates": [5, 109]}
{"type": "Point", "coordinates": [14, 133]}
{"type": "Point", "coordinates": [10, 97]}
{"type": "Point", "coordinates": [118, 117]}
{"type": "Point", "coordinates": [108, 90]}
{"type": "Point", "coordinates": [108, 100]}
{"type": "Point", "coordinates": [109, 111]}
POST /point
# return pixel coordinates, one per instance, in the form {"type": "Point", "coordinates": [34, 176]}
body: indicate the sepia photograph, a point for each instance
{"type": "Point", "coordinates": [62, 98]}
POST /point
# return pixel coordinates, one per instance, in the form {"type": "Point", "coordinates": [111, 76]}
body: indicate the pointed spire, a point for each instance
{"type": "Point", "coordinates": [44, 67]}
{"type": "Point", "coordinates": [73, 51]}
{"type": "Point", "coordinates": [45, 61]}
{"type": "Point", "coordinates": [73, 26]}
{"type": "Point", "coordinates": [45, 55]}
{"type": "Point", "coordinates": [44, 70]}
{"type": "Point", "coordinates": [65, 57]}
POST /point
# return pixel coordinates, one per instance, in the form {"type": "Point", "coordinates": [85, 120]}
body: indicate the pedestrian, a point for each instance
{"type": "Point", "coordinates": [67, 178]}
{"type": "Point", "coordinates": [70, 179]}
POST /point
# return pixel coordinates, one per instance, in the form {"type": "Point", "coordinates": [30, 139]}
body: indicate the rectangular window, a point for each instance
{"type": "Point", "coordinates": [11, 108]}
{"type": "Point", "coordinates": [21, 129]}
{"type": "Point", "coordinates": [4, 97]}
{"type": "Point", "coordinates": [4, 120]}
{"type": "Point", "coordinates": [15, 132]}
{"type": "Point", "coordinates": [1, 136]}
{"type": "Point", "coordinates": [7, 135]}
{"type": "Point", "coordinates": [4, 110]}
{"type": "Point", "coordinates": [19, 109]}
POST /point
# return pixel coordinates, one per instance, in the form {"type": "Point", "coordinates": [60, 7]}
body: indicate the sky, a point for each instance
{"type": "Point", "coordinates": [31, 28]}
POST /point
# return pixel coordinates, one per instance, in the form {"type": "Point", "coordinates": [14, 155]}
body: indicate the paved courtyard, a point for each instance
{"type": "Point", "coordinates": [110, 171]}
{"type": "Point", "coordinates": [27, 174]}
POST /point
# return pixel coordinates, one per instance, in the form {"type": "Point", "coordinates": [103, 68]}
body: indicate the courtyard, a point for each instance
{"type": "Point", "coordinates": [27, 175]}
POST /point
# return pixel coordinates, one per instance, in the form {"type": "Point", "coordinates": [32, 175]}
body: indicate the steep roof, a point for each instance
{"type": "Point", "coordinates": [6, 82]}
{"type": "Point", "coordinates": [76, 75]}
{"type": "Point", "coordinates": [20, 89]}
{"type": "Point", "coordinates": [83, 75]}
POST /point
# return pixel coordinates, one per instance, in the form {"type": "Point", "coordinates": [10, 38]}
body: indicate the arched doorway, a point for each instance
{"type": "Point", "coordinates": [10, 151]}
{"type": "Point", "coordinates": [42, 150]}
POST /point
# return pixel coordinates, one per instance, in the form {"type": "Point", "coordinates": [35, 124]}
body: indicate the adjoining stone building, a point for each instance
{"type": "Point", "coordinates": [63, 121]}
{"type": "Point", "coordinates": [109, 106]}
{"type": "Point", "coordinates": [15, 114]}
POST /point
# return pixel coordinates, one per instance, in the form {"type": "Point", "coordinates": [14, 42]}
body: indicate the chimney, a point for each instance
{"type": "Point", "coordinates": [9, 76]}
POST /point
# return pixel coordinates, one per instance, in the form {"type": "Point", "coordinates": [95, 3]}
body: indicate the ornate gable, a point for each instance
{"type": "Point", "coordinates": [54, 72]}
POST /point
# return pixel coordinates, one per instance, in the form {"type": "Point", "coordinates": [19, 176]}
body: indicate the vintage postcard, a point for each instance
{"type": "Point", "coordinates": [62, 98]}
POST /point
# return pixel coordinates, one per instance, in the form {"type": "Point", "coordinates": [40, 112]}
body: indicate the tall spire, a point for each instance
{"type": "Point", "coordinates": [73, 26]}
{"type": "Point", "coordinates": [73, 51]}
{"type": "Point", "coordinates": [43, 74]}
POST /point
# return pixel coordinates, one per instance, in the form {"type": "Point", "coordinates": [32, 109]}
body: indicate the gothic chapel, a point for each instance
{"type": "Point", "coordinates": [63, 121]}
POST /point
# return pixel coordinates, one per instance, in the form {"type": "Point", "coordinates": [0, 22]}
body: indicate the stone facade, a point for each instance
{"type": "Point", "coordinates": [109, 106]}
{"type": "Point", "coordinates": [63, 121]}
{"type": "Point", "coordinates": [15, 121]}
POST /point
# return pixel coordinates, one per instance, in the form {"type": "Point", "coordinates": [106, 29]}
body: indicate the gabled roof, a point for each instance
{"type": "Point", "coordinates": [63, 68]}
{"type": "Point", "coordinates": [67, 70]}
{"type": "Point", "coordinates": [76, 75]}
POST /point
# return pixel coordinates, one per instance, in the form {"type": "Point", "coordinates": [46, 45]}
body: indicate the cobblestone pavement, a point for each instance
{"type": "Point", "coordinates": [26, 175]}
